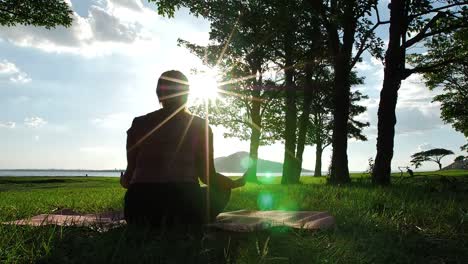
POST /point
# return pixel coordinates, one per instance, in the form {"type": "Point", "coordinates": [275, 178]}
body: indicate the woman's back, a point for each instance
{"type": "Point", "coordinates": [168, 147]}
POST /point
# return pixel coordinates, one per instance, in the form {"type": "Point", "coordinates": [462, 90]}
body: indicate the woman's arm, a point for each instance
{"type": "Point", "coordinates": [126, 178]}
{"type": "Point", "coordinates": [209, 176]}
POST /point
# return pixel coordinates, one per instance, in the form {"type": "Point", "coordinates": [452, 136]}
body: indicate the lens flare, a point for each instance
{"type": "Point", "coordinates": [265, 201]}
{"type": "Point", "coordinates": [204, 86]}
{"type": "Point", "coordinates": [267, 178]}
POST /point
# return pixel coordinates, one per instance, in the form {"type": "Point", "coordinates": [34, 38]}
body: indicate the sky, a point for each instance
{"type": "Point", "coordinates": [68, 95]}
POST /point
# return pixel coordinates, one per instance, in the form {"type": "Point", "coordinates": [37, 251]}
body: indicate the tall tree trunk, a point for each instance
{"type": "Point", "coordinates": [339, 167]}
{"type": "Point", "coordinates": [342, 54]}
{"type": "Point", "coordinates": [318, 158]}
{"type": "Point", "coordinates": [303, 123]}
{"type": "Point", "coordinates": [253, 155]}
{"type": "Point", "coordinates": [289, 163]}
{"type": "Point", "coordinates": [255, 131]}
{"type": "Point", "coordinates": [440, 165]}
{"type": "Point", "coordinates": [393, 75]}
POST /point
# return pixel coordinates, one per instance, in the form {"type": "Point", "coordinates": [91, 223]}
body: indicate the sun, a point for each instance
{"type": "Point", "coordinates": [204, 86]}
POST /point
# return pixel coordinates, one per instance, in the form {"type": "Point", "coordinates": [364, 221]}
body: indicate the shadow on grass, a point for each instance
{"type": "Point", "coordinates": [355, 240]}
{"type": "Point", "coordinates": [142, 245]}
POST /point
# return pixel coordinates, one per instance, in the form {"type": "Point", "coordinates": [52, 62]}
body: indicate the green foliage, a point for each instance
{"type": "Point", "coordinates": [242, 91]}
{"type": "Point", "coordinates": [450, 52]}
{"type": "Point", "coordinates": [434, 155]}
{"type": "Point", "coordinates": [321, 120]}
{"type": "Point", "coordinates": [459, 158]}
{"type": "Point", "coordinates": [44, 13]}
{"type": "Point", "coordinates": [464, 147]}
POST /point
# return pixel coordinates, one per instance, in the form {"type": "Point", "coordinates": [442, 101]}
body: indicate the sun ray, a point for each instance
{"type": "Point", "coordinates": [255, 126]}
{"type": "Point", "coordinates": [184, 134]}
{"type": "Point", "coordinates": [251, 98]}
{"type": "Point", "coordinates": [227, 43]}
{"type": "Point", "coordinates": [156, 128]}
{"type": "Point", "coordinates": [252, 76]}
{"type": "Point", "coordinates": [174, 80]}
{"type": "Point", "coordinates": [173, 95]}
{"type": "Point", "coordinates": [240, 79]}
{"type": "Point", "coordinates": [207, 159]}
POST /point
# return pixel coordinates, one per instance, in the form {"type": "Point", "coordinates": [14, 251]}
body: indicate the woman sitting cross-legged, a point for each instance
{"type": "Point", "coordinates": [168, 151]}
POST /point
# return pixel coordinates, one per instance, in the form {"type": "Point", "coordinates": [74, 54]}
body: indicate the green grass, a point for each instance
{"type": "Point", "coordinates": [418, 220]}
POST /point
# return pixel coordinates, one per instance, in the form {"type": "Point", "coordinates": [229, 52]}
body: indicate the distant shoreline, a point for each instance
{"type": "Point", "coordinates": [104, 173]}
{"type": "Point", "coordinates": [62, 170]}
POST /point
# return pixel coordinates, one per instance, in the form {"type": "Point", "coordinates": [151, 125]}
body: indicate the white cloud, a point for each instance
{"type": "Point", "coordinates": [415, 111]}
{"type": "Point", "coordinates": [20, 78]}
{"type": "Point", "coordinates": [12, 72]}
{"type": "Point", "coordinates": [135, 5]}
{"type": "Point", "coordinates": [376, 62]}
{"type": "Point", "coordinates": [8, 124]}
{"type": "Point", "coordinates": [105, 30]}
{"type": "Point", "coordinates": [363, 66]}
{"type": "Point", "coordinates": [425, 146]}
{"type": "Point", "coordinates": [114, 120]}
{"type": "Point", "coordinates": [7, 67]}
{"type": "Point", "coordinates": [417, 120]}
{"type": "Point", "coordinates": [34, 122]}
{"type": "Point", "coordinates": [414, 93]}
{"type": "Point", "coordinates": [107, 27]}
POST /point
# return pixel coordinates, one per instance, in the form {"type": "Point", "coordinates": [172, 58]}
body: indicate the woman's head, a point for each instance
{"type": "Point", "coordinates": [172, 89]}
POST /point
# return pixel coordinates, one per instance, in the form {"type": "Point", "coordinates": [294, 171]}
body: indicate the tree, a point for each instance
{"type": "Point", "coordinates": [464, 147]}
{"type": "Point", "coordinates": [459, 158]}
{"type": "Point", "coordinates": [321, 120]}
{"type": "Point", "coordinates": [240, 49]}
{"type": "Point", "coordinates": [264, 26]}
{"type": "Point", "coordinates": [434, 155]}
{"type": "Point", "coordinates": [44, 13]}
{"type": "Point", "coordinates": [452, 77]}
{"type": "Point", "coordinates": [311, 71]}
{"type": "Point", "coordinates": [347, 25]}
{"type": "Point", "coordinates": [424, 19]}
{"type": "Point", "coordinates": [286, 24]}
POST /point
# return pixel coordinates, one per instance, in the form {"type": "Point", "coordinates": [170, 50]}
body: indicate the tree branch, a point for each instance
{"type": "Point", "coordinates": [363, 47]}
{"type": "Point", "coordinates": [420, 36]}
{"type": "Point", "coordinates": [422, 33]}
{"type": "Point", "coordinates": [411, 17]}
{"type": "Point", "coordinates": [427, 68]}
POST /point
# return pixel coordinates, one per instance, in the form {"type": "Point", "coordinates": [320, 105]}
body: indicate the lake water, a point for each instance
{"type": "Point", "coordinates": [99, 173]}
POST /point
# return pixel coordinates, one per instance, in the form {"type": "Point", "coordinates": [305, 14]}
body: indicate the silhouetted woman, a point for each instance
{"type": "Point", "coordinates": [168, 151]}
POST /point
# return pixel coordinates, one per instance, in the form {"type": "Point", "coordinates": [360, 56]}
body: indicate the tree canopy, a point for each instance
{"type": "Point", "coordinates": [434, 155]}
{"type": "Point", "coordinates": [300, 38]}
{"type": "Point", "coordinates": [450, 51]}
{"type": "Point", "coordinates": [44, 13]}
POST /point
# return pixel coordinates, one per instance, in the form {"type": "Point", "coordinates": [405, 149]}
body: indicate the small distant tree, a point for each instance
{"type": "Point", "coordinates": [370, 166]}
{"type": "Point", "coordinates": [42, 13]}
{"type": "Point", "coordinates": [321, 119]}
{"type": "Point", "coordinates": [434, 155]}
{"type": "Point", "coordinates": [464, 147]}
{"type": "Point", "coordinates": [459, 158]}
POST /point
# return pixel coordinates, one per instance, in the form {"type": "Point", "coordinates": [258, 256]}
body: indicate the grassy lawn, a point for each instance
{"type": "Point", "coordinates": [418, 220]}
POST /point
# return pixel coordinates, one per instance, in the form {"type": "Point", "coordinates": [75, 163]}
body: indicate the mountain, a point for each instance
{"type": "Point", "coordinates": [239, 161]}
{"type": "Point", "coordinates": [458, 165]}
